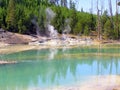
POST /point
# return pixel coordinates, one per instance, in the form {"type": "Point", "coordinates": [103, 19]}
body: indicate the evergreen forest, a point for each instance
{"type": "Point", "coordinates": [18, 15]}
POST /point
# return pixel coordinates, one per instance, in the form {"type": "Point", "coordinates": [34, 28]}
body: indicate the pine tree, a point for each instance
{"type": "Point", "coordinates": [74, 19]}
{"type": "Point", "coordinates": [86, 31]}
{"type": "Point", "coordinates": [10, 19]}
{"type": "Point", "coordinates": [59, 20]}
{"type": "Point", "coordinates": [108, 31]}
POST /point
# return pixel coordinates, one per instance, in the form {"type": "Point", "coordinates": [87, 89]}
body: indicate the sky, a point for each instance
{"type": "Point", "coordinates": [86, 5]}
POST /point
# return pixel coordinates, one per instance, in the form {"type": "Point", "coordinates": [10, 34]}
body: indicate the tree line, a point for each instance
{"type": "Point", "coordinates": [17, 16]}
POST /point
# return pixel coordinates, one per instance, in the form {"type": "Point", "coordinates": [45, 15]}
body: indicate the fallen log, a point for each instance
{"type": "Point", "coordinates": [7, 62]}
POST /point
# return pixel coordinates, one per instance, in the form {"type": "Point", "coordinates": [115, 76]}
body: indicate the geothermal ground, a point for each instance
{"type": "Point", "coordinates": [7, 38]}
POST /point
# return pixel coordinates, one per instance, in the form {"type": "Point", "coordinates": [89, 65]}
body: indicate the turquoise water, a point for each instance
{"type": "Point", "coordinates": [48, 68]}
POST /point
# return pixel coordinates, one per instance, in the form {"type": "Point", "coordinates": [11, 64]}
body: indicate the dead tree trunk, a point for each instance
{"type": "Point", "coordinates": [98, 22]}
{"type": "Point", "coordinates": [111, 13]}
{"type": "Point", "coordinates": [102, 26]}
{"type": "Point", "coordinates": [117, 21]}
{"type": "Point", "coordinates": [64, 3]}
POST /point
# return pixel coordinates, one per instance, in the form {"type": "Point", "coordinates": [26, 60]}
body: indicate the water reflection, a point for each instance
{"type": "Point", "coordinates": [52, 53]}
{"type": "Point", "coordinates": [66, 68]}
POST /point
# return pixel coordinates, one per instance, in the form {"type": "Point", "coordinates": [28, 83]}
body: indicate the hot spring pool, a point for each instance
{"type": "Point", "coordinates": [60, 68]}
